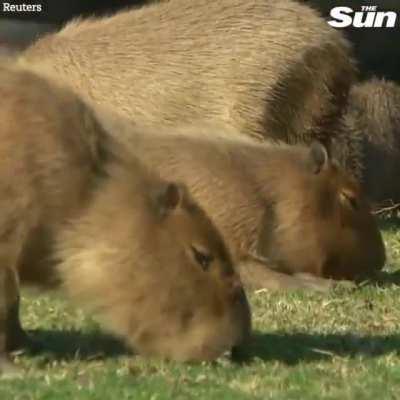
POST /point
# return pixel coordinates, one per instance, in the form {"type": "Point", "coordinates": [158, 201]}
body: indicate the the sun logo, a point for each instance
{"type": "Point", "coordinates": [368, 17]}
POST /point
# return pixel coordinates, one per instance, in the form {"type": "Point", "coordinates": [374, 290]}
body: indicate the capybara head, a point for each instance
{"type": "Point", "coordinates": [322, 221]}
{"type": "Point", "coordinates": [150, 261]}
{"type": "Point", "coordinates": [373, 115]}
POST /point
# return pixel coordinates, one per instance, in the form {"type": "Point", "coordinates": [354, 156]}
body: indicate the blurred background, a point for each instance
{"type": "Point", "coordinates": [377, 50]}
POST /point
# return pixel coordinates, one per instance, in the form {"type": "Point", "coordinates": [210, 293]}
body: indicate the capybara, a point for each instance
{"type": "Point", "coordinates": [291, 206]}
{"type": "Point", "coordinates": [372, 124]}
{"type": "Point", "coordinates": [183, 300]}
{"type": "Point", "coordinates": [134, 246]}
{"type": "Point", "coordinates": [262, 68]}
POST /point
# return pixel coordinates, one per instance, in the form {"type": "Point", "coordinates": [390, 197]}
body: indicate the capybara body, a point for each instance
{"type": "Point", "coordinates": [135, 247]}
{"type": "Point", "coordinates": [289, 205]}
{"type": "Point", "coordinates": [49, 153]}
{"type": "Point", "coordinates": [261, 68]}
{"type": "Point", "coordinates": [372, 123]}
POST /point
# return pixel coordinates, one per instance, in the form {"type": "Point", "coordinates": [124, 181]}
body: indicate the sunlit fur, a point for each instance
{"type": "Point", "coordinates": [123, 236]}
{"type": "Point", "coordinates": [262, 68]}
{"type": "Point", "coordinates": [267, 199]}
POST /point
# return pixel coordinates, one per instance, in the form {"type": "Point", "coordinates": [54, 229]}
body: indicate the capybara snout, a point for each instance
{"type": "Point", "coordinates": [211, 315]}
{"type": "Point", "coordinates": [345, 240]}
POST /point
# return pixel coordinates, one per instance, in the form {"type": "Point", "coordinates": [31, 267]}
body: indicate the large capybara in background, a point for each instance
{"type": "Point", "coordinates": [372, 124]}
{"type": "Point", "coordinates": [262, 68]}
{"type": "Point", "coordinates": [290, 206]}
{"type": "Point", "coordinates": [133, 246]}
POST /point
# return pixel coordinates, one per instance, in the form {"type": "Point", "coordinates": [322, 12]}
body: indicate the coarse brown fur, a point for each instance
{"type": "Point", "coordinates": [134, 246]}
{"type": "Point", "coordinates": [161, 278]}
{"type": "Point", "coordinates": [372, 119]}
{"type": "Point", "coordinates": [262, 68]}
{"type": "Point", "coordinates": [315, 220]}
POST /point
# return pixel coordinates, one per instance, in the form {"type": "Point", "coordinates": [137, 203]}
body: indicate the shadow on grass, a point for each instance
{"type": "Point", "coordinates": [75, 345]}
{"type": "Point", "coordinates": [303, 347]}
{"type": "Point", "coordinates": [290, 348]}
{"type": "Point", "coordinates": [386, 278]}
{"type": "Point", "coordinates": [389, 223]}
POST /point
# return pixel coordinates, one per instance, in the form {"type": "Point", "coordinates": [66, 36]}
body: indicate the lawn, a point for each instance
{"type": "Point", "coordinates": [341, 345]}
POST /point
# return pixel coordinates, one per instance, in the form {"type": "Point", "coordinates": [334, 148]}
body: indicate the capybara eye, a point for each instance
{"type": "Point", "coordinates": [349, 199]}
{"type": "Point", "coordinates": [202, 258]}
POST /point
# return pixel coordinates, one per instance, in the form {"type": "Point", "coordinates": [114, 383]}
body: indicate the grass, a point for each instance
{"type": "Point", "coordinates": [342, 345]}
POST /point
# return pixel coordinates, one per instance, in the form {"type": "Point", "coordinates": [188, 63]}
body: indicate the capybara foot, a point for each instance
{"type": "Point", "coordinates": [256, 275]}
{"type": "Point", "coordinates": [8, 370]}
{"type": "Point", "coordinates": [312, 282]}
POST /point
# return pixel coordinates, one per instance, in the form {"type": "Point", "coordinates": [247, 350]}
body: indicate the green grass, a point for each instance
{"type": "Point", "coordinates": [342, 345]}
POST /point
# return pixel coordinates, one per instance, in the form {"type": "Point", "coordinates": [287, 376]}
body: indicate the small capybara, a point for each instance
{"type": "Point", "coordinates": [372, 123]}
{"type": "Point", "coordinates": [290, 206]}
{"type": "Point", "coordinates": [135, 247]}
{"type": "Point", "coordinates": [262, 68]}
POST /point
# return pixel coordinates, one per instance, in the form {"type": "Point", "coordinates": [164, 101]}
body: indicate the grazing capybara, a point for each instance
{"type": "Point", "coordinates": [160, 275]}
{"type": "Point", "coordinates": [135, 247]}
{"type": "Point", "coordinates": [372, 124]}
{"type": "Point", "coordinates": [290, 206]}
{"type": "Point", "coordinates": [262, 68]}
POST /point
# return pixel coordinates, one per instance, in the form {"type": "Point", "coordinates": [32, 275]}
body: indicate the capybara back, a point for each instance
{"type": "Point", "coordinates": [261, 68]}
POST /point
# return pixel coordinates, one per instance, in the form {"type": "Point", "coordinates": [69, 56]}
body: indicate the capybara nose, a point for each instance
{"type": "Point", "coordinates": [241, 310]}
{"type": "Point", "coordinates": [236, 289]}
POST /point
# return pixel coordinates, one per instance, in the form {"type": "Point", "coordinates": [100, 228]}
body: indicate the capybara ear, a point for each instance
{"type": "Point", "coordinates": [169, 196]}
{"type": "Point", "coordinates": [319, 157]}
{"type": "Point", "coordinates": [104, 150]}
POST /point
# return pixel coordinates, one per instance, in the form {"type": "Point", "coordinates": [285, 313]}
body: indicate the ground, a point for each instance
{"type": "Point", "coordinates": [342, 345]}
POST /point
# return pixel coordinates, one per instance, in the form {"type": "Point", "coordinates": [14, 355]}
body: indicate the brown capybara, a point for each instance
{"type": "Point", "coordinates": [160, 276]}
{"type": "Point", "coordinates": [262, 68]}
{"type": "Point", "coordinates": [372, 124]}
{"type": "Point", "coordinates": [291, 206]}
{"type": "Point", "coordinates": [132, 245]}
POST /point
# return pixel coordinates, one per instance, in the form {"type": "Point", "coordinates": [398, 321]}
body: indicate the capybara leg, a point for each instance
{"type": "Point", "coordinates": [8, 369]}
{"type": "Point", "coordinates": [9, 298]}
{"type": "Point", "coordinates": [314, 280]}
{"type": "Point", "coordinates": [256, 274]}
{"type": "Point", "coordinates": [17, 337]}
{"type": "Point", "coordinates": [12, 336]}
